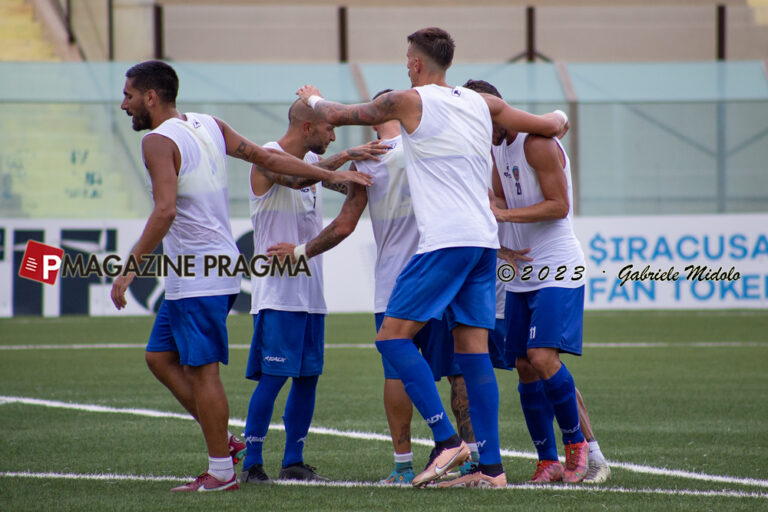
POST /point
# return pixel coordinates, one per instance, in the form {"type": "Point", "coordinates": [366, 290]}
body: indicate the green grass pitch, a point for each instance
{"type": "Point", "coordinates": [685, 391]}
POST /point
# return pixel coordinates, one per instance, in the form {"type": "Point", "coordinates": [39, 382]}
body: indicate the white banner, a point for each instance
{"type": "Point", "coordinates": [651, 262]}
{"type": "Point", "coordinates": [675, 262]}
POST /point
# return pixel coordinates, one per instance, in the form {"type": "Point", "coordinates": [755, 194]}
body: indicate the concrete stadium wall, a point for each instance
{"type": "Point", "coordinates": [309, 33]}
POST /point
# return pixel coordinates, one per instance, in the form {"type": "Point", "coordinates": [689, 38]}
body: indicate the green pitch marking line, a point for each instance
{"type": "Point", "coordinates": [371, 436]}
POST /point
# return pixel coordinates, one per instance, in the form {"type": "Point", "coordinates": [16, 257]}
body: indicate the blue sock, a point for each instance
{"type": "Point", "coordinates": [538, 417]}
{"type": "Point", "coordinates": [561, 392]}
{"type": "Point", "coordinates": [417, 378]}
{"type": "Point", "coordinates": [298, 415]}
{"type": "Point", "coordinates": [483, 394]}
{"type": "Point", "coordinates": [259, 415]}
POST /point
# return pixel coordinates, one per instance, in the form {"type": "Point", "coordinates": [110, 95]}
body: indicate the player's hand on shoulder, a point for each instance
{"type": "Point", "coordinates": [368, 151]}
{"type": "Point", "coordinates": [353, 176]}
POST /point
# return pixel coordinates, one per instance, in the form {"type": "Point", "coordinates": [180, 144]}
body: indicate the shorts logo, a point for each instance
{"type": "Point", "coordinates": [274, 359]}
{"type": "Point", "coordinates": [41, 262]}
{"type": "Point", "coordinates": [434, 419]}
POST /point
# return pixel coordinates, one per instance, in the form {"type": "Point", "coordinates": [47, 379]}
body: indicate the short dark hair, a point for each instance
{"type": "Point", "coordinates": [482, 86]}
{"type": "Point", "coordinates": [380, 93]}
{"type": "Point", "coordinates": [435, 43]}
{"type": "Point", "coordinates": [155, 75]}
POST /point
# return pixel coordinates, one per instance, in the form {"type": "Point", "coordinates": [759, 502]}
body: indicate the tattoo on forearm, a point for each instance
{"type": "Point", "coordinates": [334, 162]}
{"type": "Point", "coordinates": [328, 238]}
{"type": "Point", "coordinates": [371, 113]}
{"type": "Point", "coordinates": [285, 180]}
{"type": "Point", "coordinates": [338, 187]}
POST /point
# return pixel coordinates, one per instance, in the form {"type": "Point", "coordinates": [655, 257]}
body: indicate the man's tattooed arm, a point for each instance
{"type": "Point", "coordinates": [285, 180]}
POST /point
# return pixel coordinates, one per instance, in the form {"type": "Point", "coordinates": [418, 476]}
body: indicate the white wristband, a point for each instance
{"type": "Point", "coordinates": [300, 250]}
{"type": "Point", "coordinates": [562, 114]}
{"type": "Point", "coordinates": [314, 100]}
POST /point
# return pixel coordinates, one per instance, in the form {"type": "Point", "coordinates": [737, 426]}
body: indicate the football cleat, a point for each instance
{"type": "Point", "coordinates": [300, 471]}
{"type": "Point", "coordinates": [547, 471]}
{"type": "Point", "coordinates": [440, 462]}
{"type": "Point", "coordinates": [576, 455]}
{"type": "Point", "coordinates": [597, 472]}
{"type": "Point", "coordinates": [399, 477]}
{"type": "Point", "coordinates": [208, 483]}
{"type": "Point", "coordinates": [476, 478]}
{"type": "Point", "coordinates": [255, 475]}
{"type": "Point", "coordinates": [236, 449]}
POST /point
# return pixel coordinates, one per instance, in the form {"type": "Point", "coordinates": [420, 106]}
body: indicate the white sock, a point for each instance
{"type": "Point", "coordinates": [473, 450]}
{"type": "Point", "coordinates": [221, 468]}
{"type": "Point", "coordinates": [403, 457]}
{"type": "Point", "coordinates": [595, 453]}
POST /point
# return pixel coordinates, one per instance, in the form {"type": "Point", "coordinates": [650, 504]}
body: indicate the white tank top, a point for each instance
{"type": "Point", "coordinates": [448, 161]}
{"type": "Point", "coordinates": [201, 226]}
{"type": "Point", "coordinates": [284, 214]}
{"type": "Point", "coordinates": [394, 225]}
{"type": "Point", "coordinates": [555, 250]}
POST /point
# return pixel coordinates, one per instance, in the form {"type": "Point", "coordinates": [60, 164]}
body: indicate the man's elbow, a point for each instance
{"type": "Point", "coordinates": [346, 227]}
{"type": "Point", "coordinates": [166, 214]}
{"type": "Point", "coordinates": [561, 210]}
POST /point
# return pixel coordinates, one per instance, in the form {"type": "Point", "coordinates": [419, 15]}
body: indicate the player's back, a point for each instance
{"type": "Point", "coordinates": [392, 218]}
{"type": "Point", "coordinates": [448, 163]}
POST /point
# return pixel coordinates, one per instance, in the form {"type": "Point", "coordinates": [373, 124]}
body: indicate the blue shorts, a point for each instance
{"type": "Point", "coordinates": [496, 347]}
{"type": "Point", "coordinates": [460, 281]}
{"type": "Point", "coordinates": [545, 318]}
{"type": "Point", "coordinates": [435, 342]}
{"type": "Point", "coordinates": [195, 328]}
{"type": "Point", "coordinates": [286, 343]}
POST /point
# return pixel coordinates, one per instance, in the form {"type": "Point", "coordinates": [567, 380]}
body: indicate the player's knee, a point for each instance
{"type": "Point", "coordinates": [544, 360]}
{"type": "Point", "coordinates": [525, 370]}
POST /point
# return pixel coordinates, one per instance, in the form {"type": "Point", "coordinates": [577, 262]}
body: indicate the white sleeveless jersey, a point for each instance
{"type": "Point", "coordinates": [201, 226]}
{"type": "Point", "coordinates": [394, 225]}
{"type": "Point", "coordinates": [284, 214]}
{"type": "Point", "coordinates": [555, 250]}
{"type": "Point", "coordinates": [448, 161]}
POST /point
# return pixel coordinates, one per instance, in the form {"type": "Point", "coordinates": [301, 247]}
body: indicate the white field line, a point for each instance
{"type": "Point", "coordinates": [371, 436]}
{"type": "Point", "coordinates": [351, 484]}
{"type": "Point", "coordinates": [650, 344]}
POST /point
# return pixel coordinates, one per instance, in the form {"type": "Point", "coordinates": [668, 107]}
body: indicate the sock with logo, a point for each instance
{"type": "Point", "coordinates": [561, 392]}
{"type": "Point", "coordinates": [483, 394]}
{"type": "Point", "coordinates": [539, 416]}
{"type": "Point", "coordinates": [221, 468]}
{"type": "Point", "coordinates": [298, 415]}
{"type": "Point", "coordinates": [417, 378]}
{"type": "Point", "coordinates": [259, 415]}
{"type": "Point", "coordinates": [594, 452]}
